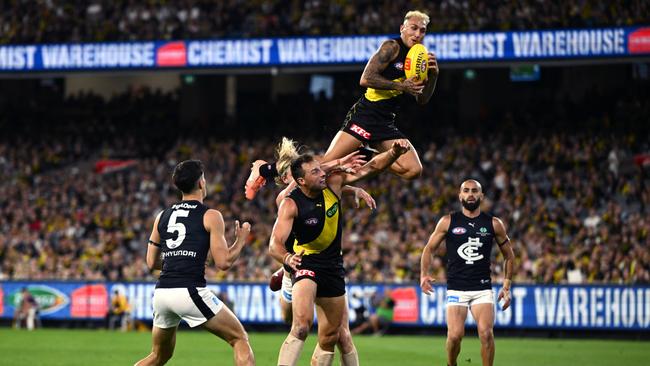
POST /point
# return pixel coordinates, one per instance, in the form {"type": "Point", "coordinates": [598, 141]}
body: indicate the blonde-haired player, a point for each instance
{"type": "Point", "coordinates": [371, 120]}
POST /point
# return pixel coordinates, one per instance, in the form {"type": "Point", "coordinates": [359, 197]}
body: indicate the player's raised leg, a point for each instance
{"type": "Point", "coordinates": [164, 341]}
{"type": "Point", "coordinates": [330, 312]}
{"type": "Point", "coordinates": [484, 315]}
{"type": "Point", "coordinates": [342, 144]}
{"type": "Point", "coordinates": [456, 316]}
{"type": "Point", "coordinates": [304, 293]}
{"type": "Point", "coordinates": [408, 166]}
{"type": "Point", "coordinates": [226, 325]}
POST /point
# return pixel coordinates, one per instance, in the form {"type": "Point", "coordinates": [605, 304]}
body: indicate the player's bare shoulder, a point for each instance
{"type": "Point", "coordinates": [212, 219]}
{"type": "Point", "coordinates": [499, 226]}
{"type": "Point", "coordinates": [443, 224]}
{"type": "Point", "coordinates": [387, 51]}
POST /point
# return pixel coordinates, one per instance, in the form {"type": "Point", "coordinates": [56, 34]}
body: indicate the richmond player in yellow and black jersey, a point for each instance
{"type": "Point", "coordinates": [371, 120]}
{"type": "Point", "coordinates": [312, 213]}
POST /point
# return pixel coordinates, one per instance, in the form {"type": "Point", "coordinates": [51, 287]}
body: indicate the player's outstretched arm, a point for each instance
{"type": "Point", "coordinates": [281, 230]}
{"type": "Point", "coordinates": [153, 249]}
{"type": "Point", "coordinates": [432, 246]}
{"type": "Point", "coordinates": [224, 255]}
{"type": "Point", "coordinates": [432, 79]}
{"type": "Point", "coordinates": [359, 194]}
{"type": "Point", "coordinates": [508, 253]}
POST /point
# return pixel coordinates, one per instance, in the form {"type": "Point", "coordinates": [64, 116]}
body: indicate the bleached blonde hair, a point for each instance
{"type": "Point", "coordinates": [286, 152]}
{"type": "Point", "coordinates": [417, 14]}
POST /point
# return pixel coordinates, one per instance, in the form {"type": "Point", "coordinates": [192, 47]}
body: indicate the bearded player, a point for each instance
{"type": "Point", "coordinates": [469, 235]}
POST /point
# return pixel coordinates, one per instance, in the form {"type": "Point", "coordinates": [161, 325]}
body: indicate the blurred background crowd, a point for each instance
{"type": "Point", "coordinates": [51, 21]}
{"type": "Point", "coordinates": [577, 205]}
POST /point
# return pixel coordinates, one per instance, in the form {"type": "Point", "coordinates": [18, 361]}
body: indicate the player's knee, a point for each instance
{"type": "Point", "coordinates": [161, 356]}
{"type": "Point", "coordinates": [486, 336]}
{"type": "Point", "coordinates": [454, 337]}
{"type": "Point", "coordinates": [413, 172]}
{"type": "Point", "coordinates": [345, 341]}
{"type": "Point", "coordinates": [239, 337]}
{"type": "Point", "coordinates": [301, 330]}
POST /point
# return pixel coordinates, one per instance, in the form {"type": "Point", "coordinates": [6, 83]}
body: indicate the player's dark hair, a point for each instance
{"type": "Point", "coordinates": [187, 174]}
{"type": "Point", "coordinates": [296, 165]}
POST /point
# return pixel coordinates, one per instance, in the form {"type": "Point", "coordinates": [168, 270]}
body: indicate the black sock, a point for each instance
{"type": "Point", "coordinates": [269, 171]}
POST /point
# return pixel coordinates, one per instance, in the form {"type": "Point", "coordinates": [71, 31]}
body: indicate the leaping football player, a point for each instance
{"type": "Point", "coordinates": [371, 120]}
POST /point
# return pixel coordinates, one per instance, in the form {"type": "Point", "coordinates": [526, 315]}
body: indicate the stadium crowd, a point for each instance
{"type": "Point", "coordinates": [577, 206]}
{"type": "Point", "coordinates": [101, 20]}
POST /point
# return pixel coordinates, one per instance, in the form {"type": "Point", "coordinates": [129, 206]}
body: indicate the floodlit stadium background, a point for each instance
{"type": "Point", "coordinates": [546, 103]}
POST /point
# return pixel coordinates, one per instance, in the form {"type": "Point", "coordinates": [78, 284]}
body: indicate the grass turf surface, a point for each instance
{"type": "Point", "coordinates": [100, 347]}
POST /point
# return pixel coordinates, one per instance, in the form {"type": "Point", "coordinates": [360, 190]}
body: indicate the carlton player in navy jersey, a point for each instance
{"type": "Point", "coordinates": [469, 235]}
{"type": "Point", "coordinates": [312, 212]}
{"type": "Point", "coordinates": [179, 243]}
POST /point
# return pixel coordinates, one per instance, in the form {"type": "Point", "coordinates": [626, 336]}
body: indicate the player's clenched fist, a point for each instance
{"type": "Point", "coordinates": [426, 284]}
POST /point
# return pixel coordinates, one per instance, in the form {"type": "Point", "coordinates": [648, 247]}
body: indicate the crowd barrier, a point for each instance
{"type": "Point", "coordinates": [533, 306]}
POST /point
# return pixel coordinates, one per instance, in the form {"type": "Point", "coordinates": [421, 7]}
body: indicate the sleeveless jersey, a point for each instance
{"type": "Point", "coordinates": [395, 72]}
{"type": "Point", "coordinates": [317, 230]}
{"type": "Point", "coordinates": [184, 243]}
{"type": "Point", "coordinates": [469, 247]}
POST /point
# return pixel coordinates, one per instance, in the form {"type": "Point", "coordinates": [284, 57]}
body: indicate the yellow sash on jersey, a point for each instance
{"type": "Point", "coordinates": [330, 227]}
{"type": "Point", "coordinates": [375, 95]}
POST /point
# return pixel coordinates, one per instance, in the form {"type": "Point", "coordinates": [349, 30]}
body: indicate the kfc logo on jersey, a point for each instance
{"type": "Point", "coordinates": [459, 230]}
{"type": "Point", "coordinates": [311, 221]}
{"type": "Point", "coordinates": [360, 131]}
{"type": "Point", "coordinates": [305, 272]}
{"type": "Point", "coordinates": [467, 251]}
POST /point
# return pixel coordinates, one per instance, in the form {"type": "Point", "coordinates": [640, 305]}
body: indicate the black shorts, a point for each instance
{"type": "Point", "coordinates": [328, 283]}
{"type": "Point", "coordinates": [369, 123]}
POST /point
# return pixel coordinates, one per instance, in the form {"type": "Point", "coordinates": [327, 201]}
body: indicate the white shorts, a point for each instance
{"type": "Point", "coordinates": [469, 298]}
{"type": "Point", "coordinates": [194, 305]}
{"type": "Point", "coordinates": [287, 288]}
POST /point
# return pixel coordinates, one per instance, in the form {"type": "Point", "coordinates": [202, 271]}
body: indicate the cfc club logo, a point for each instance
{"type": "Point", "coordinates": [305, 272]}
{"type": "Point", "coordinates": [467, 251]}
{"type": "Point", "coordinates": [459, 230]}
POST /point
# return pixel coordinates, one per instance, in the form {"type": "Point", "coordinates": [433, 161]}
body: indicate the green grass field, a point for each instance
{"type": "Point", "coordinates": [99, 347]}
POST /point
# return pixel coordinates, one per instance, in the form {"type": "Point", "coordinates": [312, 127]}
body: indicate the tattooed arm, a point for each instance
{"type": "Point", "coordinates": [371, 77]}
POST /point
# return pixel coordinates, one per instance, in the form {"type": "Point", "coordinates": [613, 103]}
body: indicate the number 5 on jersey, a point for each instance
{"type": "Point", "coordinates": [176, 227]}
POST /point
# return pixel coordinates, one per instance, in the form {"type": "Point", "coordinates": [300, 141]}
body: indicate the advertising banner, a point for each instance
{"type": "Point", "coordinates": [533, 306]}
{"type": "Point", "coordinates": [333, 50]}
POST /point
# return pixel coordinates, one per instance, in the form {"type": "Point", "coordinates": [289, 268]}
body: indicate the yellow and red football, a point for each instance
{"type": "Point", "coordinates": [417, 62]}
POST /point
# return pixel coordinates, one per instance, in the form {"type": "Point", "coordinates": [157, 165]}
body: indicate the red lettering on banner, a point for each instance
{"type": "Point", "coordinates": [89, 302]}
{"type": "Point", "coordinates": [406, 305]}
{"type": "Point", "coordinates": [172, 54]}
{"type": "Point", "coordinates": [360, 131]}
{"type": "Point", "coordinates": [639, 41]}
{"type": "Point", "coordinates": [305, 272]}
